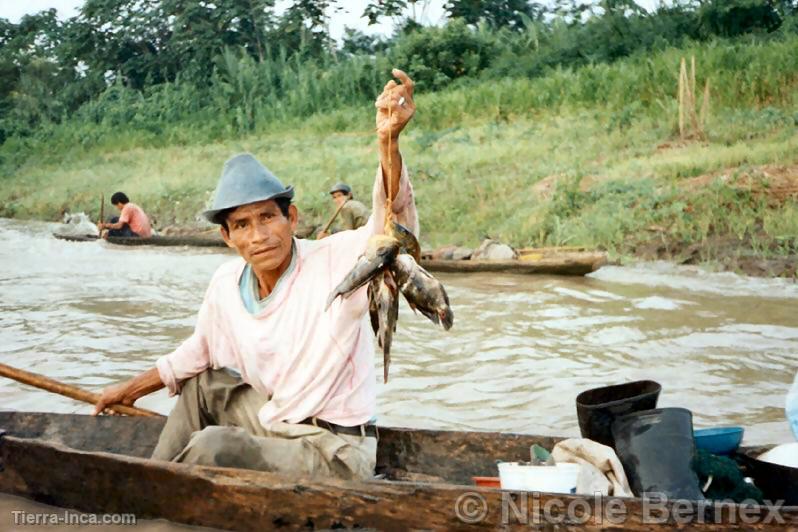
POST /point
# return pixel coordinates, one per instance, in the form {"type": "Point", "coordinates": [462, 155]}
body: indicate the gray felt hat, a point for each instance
{"type": "Point", "coordinates": [244, 180]}
{"type": "Point", "coordinates": [341, 187]}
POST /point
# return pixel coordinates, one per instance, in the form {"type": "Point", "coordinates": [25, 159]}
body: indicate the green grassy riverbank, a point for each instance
{"type": "Point", "coordinates": [589, 157]}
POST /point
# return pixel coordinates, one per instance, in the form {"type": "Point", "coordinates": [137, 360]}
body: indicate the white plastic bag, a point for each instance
{"type": "Point", "coordinates": [77, 224]}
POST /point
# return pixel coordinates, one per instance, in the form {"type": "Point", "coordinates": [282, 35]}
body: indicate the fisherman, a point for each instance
{"type": "Point", "coordinates": [131, 222]}
{"type": "Point", "coordinates": [269, 380]}
{"type": "Point", "coordinates": [352, 214]}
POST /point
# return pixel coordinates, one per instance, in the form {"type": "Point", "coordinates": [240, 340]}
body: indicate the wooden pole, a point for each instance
{"type": "Point", "coordinates": [334, 216]}
{"type": "Point", "coordinates": [705, 107]}
{"type": "Point", "coordinates": [45, 383]}
{"type": "Point", "coordinates": [682, 82]}
{"type": "Point", "coordinates": [102, 211]}
{"type": "Point", "coordinates": [697, 131]}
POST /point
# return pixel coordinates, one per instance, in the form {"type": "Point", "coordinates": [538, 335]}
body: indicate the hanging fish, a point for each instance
{"type": "Point", "coordinates": [408, 243]}
{"type": "Point", "coordinates": [422, 291]}
{"type": "Point", "coordinates": [388, 313]}
{"type": "Point", "coordinates": [390, 265]}
{"type": "Point", "coordinates": [380, 251]}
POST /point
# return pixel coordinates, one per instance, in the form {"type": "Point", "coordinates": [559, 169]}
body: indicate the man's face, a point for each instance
{"type": "Point", "coordinates": [339, 198]}
{"type": "Point", "coordinates": [261, 234]}
{"type": "Point", "coordinates": [119, 206]}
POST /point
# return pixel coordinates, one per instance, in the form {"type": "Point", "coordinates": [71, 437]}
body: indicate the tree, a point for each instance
{"type": "Point", "coordinates": [497, 13]}
{"type": "Point", "coordinates": [124, 37]}
{"type": "Point", "coordinates": [34, 74]}
{"type": "Point", "coordinates": [730, 18]}
{"type": "Point", "coordinates": [436, 56]}
{"type": "Point", "coordinates": [376, 9]}
{"type": "Point", "coordinates": [356, 42]}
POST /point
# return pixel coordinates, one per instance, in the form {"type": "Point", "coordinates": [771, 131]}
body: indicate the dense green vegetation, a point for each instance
{"type": "Point", "coordinates": [537, 125]}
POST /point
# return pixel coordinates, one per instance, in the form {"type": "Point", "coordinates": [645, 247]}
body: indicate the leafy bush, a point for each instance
{"type": "Point", "coordinates": [228, 68]}
{"type": "Point", "coordinates": [437, 56]}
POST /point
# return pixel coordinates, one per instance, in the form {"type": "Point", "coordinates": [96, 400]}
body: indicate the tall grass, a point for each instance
{"type": "Point", "coordinates": [471, 181]}
{"type": "Point", "coordinates": [475, 150]}
{"type": "Point", "coordinates": [282, 94]}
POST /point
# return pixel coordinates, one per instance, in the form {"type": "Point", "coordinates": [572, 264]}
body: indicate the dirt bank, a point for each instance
{"type": "Point", "coordinates": [726, 253]}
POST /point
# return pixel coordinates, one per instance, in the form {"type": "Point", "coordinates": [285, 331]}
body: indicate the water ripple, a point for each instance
{"type": "Point", "coordinates": [521, 350]}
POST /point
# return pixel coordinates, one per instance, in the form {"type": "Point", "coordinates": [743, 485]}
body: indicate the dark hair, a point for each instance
{"type": "Point", "coordinates": [349, 194]}
{"type": "Point", "coordinates": [221, 216]}
{"type": "Point", "coordinates": [119, 197]}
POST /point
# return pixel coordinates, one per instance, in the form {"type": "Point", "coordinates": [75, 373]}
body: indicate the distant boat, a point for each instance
{"type": "Point", "coordinates": [157, 240]}
{"type": "Point", "coordinates": [551, 261]}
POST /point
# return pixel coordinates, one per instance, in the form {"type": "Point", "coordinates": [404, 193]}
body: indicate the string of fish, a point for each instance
{"type": "Point", "coordinates": [390, 265]}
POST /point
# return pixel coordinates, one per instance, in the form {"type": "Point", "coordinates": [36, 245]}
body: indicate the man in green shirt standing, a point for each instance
{"type": "Point", "coordinates": [353, 214]}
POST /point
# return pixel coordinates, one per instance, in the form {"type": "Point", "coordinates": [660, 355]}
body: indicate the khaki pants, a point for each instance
{"type": "Point", "coordinates": [215, 423]}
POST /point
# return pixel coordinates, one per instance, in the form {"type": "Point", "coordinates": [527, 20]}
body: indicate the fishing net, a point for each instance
{"type": "Point", "coordinates": [727, 482]}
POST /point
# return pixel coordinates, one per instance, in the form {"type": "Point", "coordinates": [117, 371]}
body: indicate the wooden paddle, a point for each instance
{"type": "Point", "coordinates": [102, 211]}
{"type": "Point", "coordinates": [334, 216]}
{"type": "Point", "coordinates": [46, 383]}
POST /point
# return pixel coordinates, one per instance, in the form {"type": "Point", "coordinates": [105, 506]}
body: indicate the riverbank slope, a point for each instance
{"type": "Point", "coordinates": [528, 162]}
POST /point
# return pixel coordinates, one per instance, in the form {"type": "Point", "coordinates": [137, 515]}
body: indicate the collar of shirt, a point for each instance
{"type": "Point", "coordinates": [248, 285]}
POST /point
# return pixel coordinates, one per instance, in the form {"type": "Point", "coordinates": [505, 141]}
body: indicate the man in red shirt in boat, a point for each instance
{"type": "Point", "coordinates": [131, 222]}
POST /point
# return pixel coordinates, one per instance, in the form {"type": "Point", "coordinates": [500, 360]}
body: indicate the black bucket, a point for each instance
{"type": "Point", "coordinates": [598, 408]}
{"type": "Point", "coordinates": [657, 449]}
{"type": "Point", "coordinates": [777, 482]}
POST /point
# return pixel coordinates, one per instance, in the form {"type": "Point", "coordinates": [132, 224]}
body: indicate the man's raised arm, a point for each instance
{"type": "Point", "coordinates": [395, 108]}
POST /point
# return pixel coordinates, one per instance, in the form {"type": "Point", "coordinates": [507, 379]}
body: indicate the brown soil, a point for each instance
{"type": "Point", "coordinates": [728, 252]}
{"type": "Point", "coordinates": [779, 183]}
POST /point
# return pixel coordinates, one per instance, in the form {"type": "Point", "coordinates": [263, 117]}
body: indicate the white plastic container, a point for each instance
{"type": "Point", "coordinates": [785, 454]}
{"type": "Point", "coordinates": [558, 478]}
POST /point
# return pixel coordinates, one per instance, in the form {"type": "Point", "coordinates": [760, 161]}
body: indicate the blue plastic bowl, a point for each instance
{"type": "Point", "coordinates": [722, 440]}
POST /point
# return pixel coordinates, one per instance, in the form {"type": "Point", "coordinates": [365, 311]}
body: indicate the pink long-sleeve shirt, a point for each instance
{"type": "Point", "coordinates": [307, 361]}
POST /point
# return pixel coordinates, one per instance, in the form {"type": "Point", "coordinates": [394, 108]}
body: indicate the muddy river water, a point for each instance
{"type": "Point", "coordinates": [522, 347]}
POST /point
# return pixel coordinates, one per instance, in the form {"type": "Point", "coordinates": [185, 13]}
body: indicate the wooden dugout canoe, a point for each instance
{"type": "Point", "coordinates": [99, 465]}
{"type": "Point", "coordinates": [192, 241]}
{"type": "Point", "coordinates": [75, 238]}
{"type": "Point", "coordinates": [563, 263]}
{"type": "Point", "coordinates": [576, 262]}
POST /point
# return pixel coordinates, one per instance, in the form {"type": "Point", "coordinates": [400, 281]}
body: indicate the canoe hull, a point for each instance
{"type": "Point", "coordinates": [191, 241]}
{"type": "Point", "coordinates": [76, 238]}
{"type": "Point", "coordinates": [563, 263]}
{"type": "Point", "coordinates": [37, 463]}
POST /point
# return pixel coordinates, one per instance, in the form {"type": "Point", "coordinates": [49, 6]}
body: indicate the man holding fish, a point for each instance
{"type": "Point", "coordinates": [271, 379]}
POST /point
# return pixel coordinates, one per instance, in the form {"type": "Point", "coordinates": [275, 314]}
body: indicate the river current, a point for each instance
{"type": "Point", "coordinates": [521, 349]}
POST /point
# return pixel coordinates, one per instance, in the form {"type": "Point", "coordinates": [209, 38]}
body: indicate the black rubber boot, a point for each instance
{"type": "Point", "coordinates": [596, 409]}
{"type": "Point", "coordinates": [656, 449]}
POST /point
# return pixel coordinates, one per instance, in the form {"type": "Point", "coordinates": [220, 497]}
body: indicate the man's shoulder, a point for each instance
{"type": "Point", "coordinates": [132, 208]}
{"type": "Point", "coordinates": [227, 271]}
{"type": "Point", "coordinates": [356, 206]}
{"type": "Point", "coordinates": [309, 248]}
